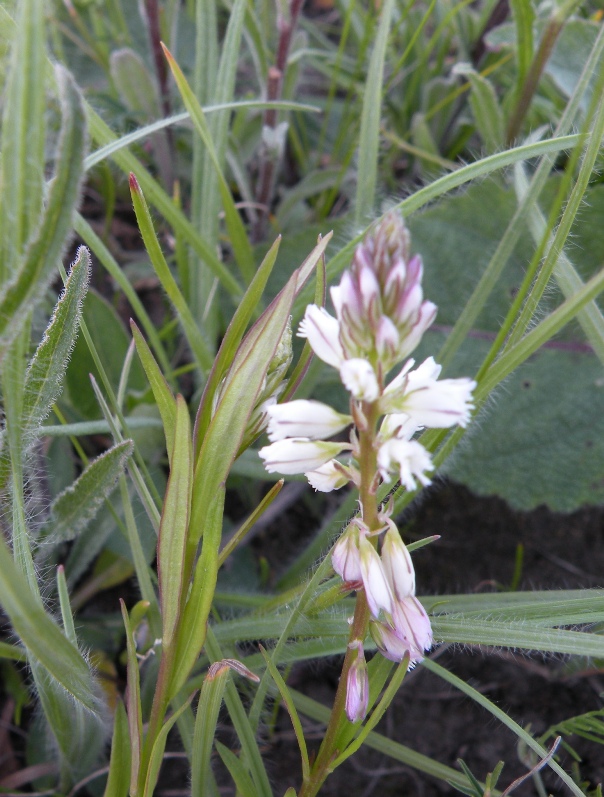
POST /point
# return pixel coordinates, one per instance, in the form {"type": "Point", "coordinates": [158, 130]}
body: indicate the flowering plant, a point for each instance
{"type": "Point", "coordinates": [381, 316]}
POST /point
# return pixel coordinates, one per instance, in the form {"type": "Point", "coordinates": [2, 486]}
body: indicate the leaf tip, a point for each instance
{"type": "Point", "coordinates": [134, 186]}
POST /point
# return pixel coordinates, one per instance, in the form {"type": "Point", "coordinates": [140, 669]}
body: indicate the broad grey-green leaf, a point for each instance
{"type": "Point", "coordinates": [135, 85]}
{"type": "Point", "coordinates": [74, 508]}
{"type": "Point", "coordinates": [487, 112]}
{"type": "Point", "coordinates": [39, 262]}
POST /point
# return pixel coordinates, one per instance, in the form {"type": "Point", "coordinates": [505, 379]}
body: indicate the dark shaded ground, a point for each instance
{"type": "Point", "coordinates": [477, 551]}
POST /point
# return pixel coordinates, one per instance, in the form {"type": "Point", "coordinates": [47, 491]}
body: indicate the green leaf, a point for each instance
{"type": "Point", "coordinates": [193, 334]}
{"type": "Point", "coordinates": [174, 526]}
{"type": "Point", "coordinates": [134, 83]}
{"type": "Point", "coordinates": [22, 160]}
{"type": "Point", "coordinates": [76, 506]}
{"type": "Point", "coordinates": [487, 112]}
{"type": "Point", "coordinates": [118, 780]}
{"type": "Point", "coordinates": [210, 700]}
{"type": "Point", "coordinates": [157, 752]}
{"type": "Point", "coordinates": [42, 638]}
{"type": "Point", "coordinates": [241, 778]}
{"type": "Point", "coordinates": [44, 377]}
{"type": "Point", "coordinates": [35, 271]}
{"type": "Point", "coordinates": [164, 399]}
{"type": "Point", "coordinates": [370, 120]}
{"type": "Point", "coordinates": [133, 704]}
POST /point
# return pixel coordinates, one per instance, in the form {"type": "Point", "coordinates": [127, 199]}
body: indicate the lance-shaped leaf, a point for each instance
{"type": "Point", "coordinates": [216, 455]}
{"type": "Point", "coordinates": [157, 751]}
{"type": "Point", "coordinates": [76, 506]}
{"type": "Point", "coordinates": [22, 159]}
{"type": "Point", "coordinates": [42, 637]}
{"type": "Point", "coordinates": [174, 525]}
{"type": "Point", "coordinates": [164, 399]}
{"type": "Point", "coordinates": [118, 780]}
{"type": "Point", "coordinates": [37, 266]}
{"type": "Point", "coordinates": [206, 718]}
{"type": "Point", "coordinates": [44, 377]}
{"type": "Point", "coordinates": [133, 704]}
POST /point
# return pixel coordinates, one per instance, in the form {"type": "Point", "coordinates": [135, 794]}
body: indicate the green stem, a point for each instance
{"type": "Point", "coordinates": [328, 752]}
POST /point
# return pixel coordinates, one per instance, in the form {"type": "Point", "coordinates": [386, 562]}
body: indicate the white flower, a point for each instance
{"type": "Point", "coordinates": [345, 557]}
{"type": "Point", "coordinates": [397, 564]}
{"type": "Point", "coordinates": [410, 632]}
{"type": "Point", "coordinates": [359, 378]}
{"type": "Point", "coordinates": [328, 477]}
{"type": "Point", "coordinates": [302, 418]}
{"type": "Point", "coordinates": [322, 331]}
{"type": "Point", "coordinates": [399, 425]}
{"type": "Point", "coordinates": [429, 402]}
{"type": "Point", "coordinates": [299, 454]}
{"type": "Point", "coordinates": [408, 458]}
{"type": "Point", "coordinates": [377, 589]}
{"type": "Point", "coordinates": [357, 685]}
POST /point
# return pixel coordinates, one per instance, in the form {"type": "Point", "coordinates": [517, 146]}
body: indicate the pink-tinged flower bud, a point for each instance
{"type": "Point", "coordinates": [359, 378]}
{"type": "Point", "coordinates": [397, 564]}
{"type": "Point", "coordinates": [357, 685]}
{"type": "Point", "coordinates": [345, 557]}
{"type": "Point", "coordinates": [299, 455]}
{"type": "Point", "coordinates": [377, 588]}
{"type": "Point", "coordinates": [410, 632]}
{"type": "Point", "coordinates": [430, 402]}
{"type": "Point", "coordinates": [408, 458]}
{"type": "Point", "coordinates": [302, 418]}
{"type": "Point", "coordinates": [322, 331]}
{"type": "Point", "coordinates": [330, 476]}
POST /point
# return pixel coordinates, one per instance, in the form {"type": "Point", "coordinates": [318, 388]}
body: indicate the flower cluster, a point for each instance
{"type": "Point", "coordinates": [381, 316]}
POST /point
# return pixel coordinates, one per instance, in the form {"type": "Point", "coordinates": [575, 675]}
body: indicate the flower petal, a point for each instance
{"type": "Point", "coordinates": [322, 332]}
{"type": "Point", "coordinates": [299, 454]}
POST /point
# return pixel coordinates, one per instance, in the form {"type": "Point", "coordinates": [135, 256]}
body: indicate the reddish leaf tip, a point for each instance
{"type": "Point", "coordinates": [134, 186]}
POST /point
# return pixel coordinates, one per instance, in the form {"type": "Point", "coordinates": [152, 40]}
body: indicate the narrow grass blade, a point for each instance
{"type": "Point", "coordinates": [242, 249]}
{"type": "Point", "coordinates": [487, 112]}
{"type": "Point", "coordinates": [30, 280]}
{"type": "Point", "coordinates": [293, 714]}
{"type": "Point", "coordinates": [210, 700]}
{"type": "Point", "coordinates": [166, 403]}
{"type": "Point", "coordinates": [118, 780]}
{"type": "Point", "coordinates": [133, 704]}
{"type": "Point", "coordinates": [66, 614]}
{"type": "Point", "coordinates": [174, 525]}
{"type": "Point", "coordinates": [22, 159]}
{"type": "Point", "coordinates": [198, 345]}
{"type": "Point", "coordinates": [241, 778]}
{"type": "Point", "coordinates": [483, 701]}
{"type": "Point", "coordinates": [157, 753]}
{"type": "Point", "coordinates": [370, 120]}
{"type": "Point", "coordinates": [78, 505]}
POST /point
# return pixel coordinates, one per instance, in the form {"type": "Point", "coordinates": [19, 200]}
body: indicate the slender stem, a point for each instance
{"type": "Point", "coordinates": [367, 459]}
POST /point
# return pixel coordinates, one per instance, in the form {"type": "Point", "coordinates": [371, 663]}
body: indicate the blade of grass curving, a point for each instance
{"type": "Point", "coordinates": [164, 399]}
{"type": "Point", "coordinates": [483, 701]}
{"type": "Point", "coordinates": [92, 240]}
{"type": "Point", "coordinates": [210, 700]}
{"type": "Point", "coordinates": [22, 158]}
{"type": "Point", "coordinates": [74, 508]}
{"type": "Point", "coordinates": [398, 752]}
{"type": "Point", "coordinates": [66, 614]}
{"type": "Point", "coordinates": [565, 274]}
{"type": "Point", "coordinates": [369, 137]}
{"type": "Point", "coordinates": [196, 341]}
{"type": "Point", "coordinates": [118, 779]}
{"type": "Point", "coordinates": [291, 710]}
{"type": "Point", "coordinates": [29, 282]}
{"type": "Point", "coordinates": [242, 249]}
{"type": "Point", "coordinates": [103, 135]}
